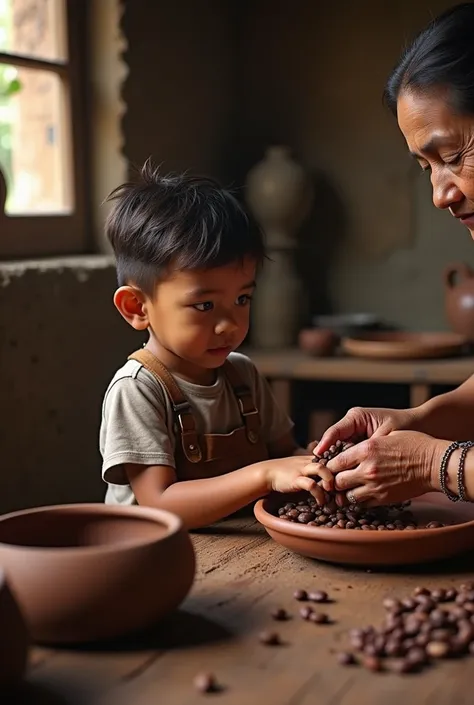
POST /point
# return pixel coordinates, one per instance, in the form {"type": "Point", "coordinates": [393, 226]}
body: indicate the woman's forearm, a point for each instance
{"type": "Point", "coordinates": [449, 416]}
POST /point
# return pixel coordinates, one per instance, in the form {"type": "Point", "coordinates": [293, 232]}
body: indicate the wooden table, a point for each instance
{"type": "Point", "coordinates": [242, 575]}
{"type": "Point", "coordinates": [282, 367]}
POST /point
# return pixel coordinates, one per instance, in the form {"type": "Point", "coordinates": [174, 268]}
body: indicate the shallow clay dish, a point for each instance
{"type": "Point", "coordinates": [14, 636]}
{"type": "Point", "coordinates": [403, 346]}
{"type": "Point", "coordinates": [86, 572]}
{"type": "Point", "coordinates": [376, 547]}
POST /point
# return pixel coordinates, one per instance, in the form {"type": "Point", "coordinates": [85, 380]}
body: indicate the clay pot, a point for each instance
{"type": "Point", "coordinates": [459, 299]}
{"type": "Point", "coordinates": [319, 342]}
{"type": "Point", "coordinates": [87, 572]}
{"type": "Point", "coordinates": [14, 639]}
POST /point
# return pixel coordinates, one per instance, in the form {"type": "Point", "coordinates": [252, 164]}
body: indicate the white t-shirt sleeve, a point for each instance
{"type": "Point", "coordinates": [134, 429]}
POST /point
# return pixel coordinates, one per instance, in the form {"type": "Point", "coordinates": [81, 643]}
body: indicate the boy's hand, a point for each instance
{"type": "Point", "coordinates": [298, 473]}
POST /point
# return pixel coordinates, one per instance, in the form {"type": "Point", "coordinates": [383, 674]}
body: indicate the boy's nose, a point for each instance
{"type": "Point", "coordinates": [226, 325]}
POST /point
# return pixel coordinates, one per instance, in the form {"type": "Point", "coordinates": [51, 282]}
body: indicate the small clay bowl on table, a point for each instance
{"type": "Point", "coordinates": [14, 640]}
{"type": "Point", "coordinates": [318, 342]}
{"type": "Point", "coordinates": [388, 548]}
{"type": "Point", "coordinates": [89, 572]}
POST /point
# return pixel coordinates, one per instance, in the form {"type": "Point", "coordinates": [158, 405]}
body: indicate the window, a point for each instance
{"type": "Point", "coordinates": [42, 127]}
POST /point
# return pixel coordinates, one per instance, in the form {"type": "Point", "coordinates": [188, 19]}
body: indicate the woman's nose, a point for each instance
{"type": "Point", "coordinates": [445, 192]}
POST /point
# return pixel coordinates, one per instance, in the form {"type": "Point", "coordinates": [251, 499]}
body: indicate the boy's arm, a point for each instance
{"type": "Point", "coordinates": [202, 502]}
{"type": "Point", "coordinates": [197, 502]}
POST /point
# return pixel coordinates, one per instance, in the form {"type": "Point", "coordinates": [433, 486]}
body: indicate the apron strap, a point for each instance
{"type": "Point", "coordinates": [181, 406]}
{"type": "Point", "coordinates": [248, 410]}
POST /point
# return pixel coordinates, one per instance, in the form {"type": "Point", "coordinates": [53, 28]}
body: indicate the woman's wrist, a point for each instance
{"type": "Point", "coordinates": [445, 470]}
{"type": "Point", "coordinates": [433, 476]}
{"type": "Point", "coordinates": [417, 418]}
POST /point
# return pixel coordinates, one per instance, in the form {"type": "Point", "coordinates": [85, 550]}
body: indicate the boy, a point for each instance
{"type": "Point", "coordinates": [188, 425]}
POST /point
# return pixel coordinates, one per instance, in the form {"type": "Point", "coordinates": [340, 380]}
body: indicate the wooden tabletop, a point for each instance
{"type": "Point", "coordinates": [293, 364]}
{"type": "Point", "coordinates": [242, 575]}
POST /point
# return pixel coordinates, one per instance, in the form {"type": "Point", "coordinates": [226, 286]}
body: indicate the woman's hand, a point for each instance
{"type": "Point", "coordinates": [388, 469]}
{"type": "Point", "coordinates": [361, 423]}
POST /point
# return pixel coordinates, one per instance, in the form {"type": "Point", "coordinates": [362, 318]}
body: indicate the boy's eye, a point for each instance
{"type": "Point", "coordinates": [205, 306]}
{"type": "Point", "coordinates": [244, 299]}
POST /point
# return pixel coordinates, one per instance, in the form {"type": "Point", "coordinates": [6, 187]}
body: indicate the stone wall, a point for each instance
{"type": "Point", "coordinates": [61, 341]}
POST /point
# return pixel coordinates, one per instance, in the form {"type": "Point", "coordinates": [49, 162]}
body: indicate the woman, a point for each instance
{"type": "Point", "coordinates": [409, 452]}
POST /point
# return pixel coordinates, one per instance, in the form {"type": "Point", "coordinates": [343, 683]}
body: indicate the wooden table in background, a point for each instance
{"type": "Point", "coordinates": [284, 367]}
{"type": "Point", "coordinates": [242, 575]}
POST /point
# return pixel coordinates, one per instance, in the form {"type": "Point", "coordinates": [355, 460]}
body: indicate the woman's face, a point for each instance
{"type": "Point", "coordinates": [442, 142]}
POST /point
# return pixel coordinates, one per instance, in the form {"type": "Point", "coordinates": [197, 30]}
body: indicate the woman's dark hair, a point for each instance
{"type": "Point", "coordinates": [184, 221]}
{"type": "Point", "coordinates": [441, 56]}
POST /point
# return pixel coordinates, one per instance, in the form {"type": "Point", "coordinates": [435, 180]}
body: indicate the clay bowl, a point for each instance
{"type": "Point", "coordinates": [404, 346]}
{"type": "Point", "coordinates": [319, 342]}
{"type": "Point", "coordinates": [87, 572]}
{"type": "Point", "coordinates": [14, 637]}
{"type": "Point", "coordinates": [368, 548]}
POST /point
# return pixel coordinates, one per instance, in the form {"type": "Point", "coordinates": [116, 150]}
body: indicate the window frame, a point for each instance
{"type": "Point", "coordinates": [58, 234]}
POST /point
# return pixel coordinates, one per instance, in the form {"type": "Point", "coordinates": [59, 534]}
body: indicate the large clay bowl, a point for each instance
{"type": "Point", "coordinates": [376, 547]}
{"type": "Point", "coordinates": [14, 636]}
{"type": "Point", "coordinates": [87, 572]}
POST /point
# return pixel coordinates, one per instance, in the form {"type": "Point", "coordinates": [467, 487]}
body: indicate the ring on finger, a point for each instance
{"type": "Point", "coordinates": [351, 498]}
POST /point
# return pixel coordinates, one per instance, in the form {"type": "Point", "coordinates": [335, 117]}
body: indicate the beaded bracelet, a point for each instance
{"type": "Point", "coordinates": [442, 471]}
{"type": "Point", "coordinates": [465, 445]}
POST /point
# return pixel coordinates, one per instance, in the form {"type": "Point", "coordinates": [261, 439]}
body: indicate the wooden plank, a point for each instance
{"type": "Point", "coordinates": [291, 364]}
{"type": "Point", "coordinates": [242, 575]}
{"type": "Point", "coordinates": [30, 62]}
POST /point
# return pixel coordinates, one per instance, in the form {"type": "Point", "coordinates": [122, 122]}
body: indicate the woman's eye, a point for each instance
{"type": "Point", "coordinates": [244, 299]}
{"type": "Point", "coordinates": [453, 160]}
{"type": "Point", "coordinates": [205, 306]}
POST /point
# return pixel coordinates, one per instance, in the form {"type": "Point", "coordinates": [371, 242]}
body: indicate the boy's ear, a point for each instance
{"type": "Point", "coordinates": [130, 302]}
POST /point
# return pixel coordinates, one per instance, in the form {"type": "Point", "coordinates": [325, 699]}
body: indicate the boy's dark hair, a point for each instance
{"type": "Point", "coordinates": [441, 56]}
{"type": "Point", "coordinates": [188, 221]}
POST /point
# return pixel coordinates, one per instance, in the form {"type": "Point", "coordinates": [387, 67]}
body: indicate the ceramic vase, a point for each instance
{"type": "Point", "coordinates": [279, 195]}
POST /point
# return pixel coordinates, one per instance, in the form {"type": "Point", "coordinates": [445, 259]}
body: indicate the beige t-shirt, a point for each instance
{"type": "Point", "coordinates": [138, 421]}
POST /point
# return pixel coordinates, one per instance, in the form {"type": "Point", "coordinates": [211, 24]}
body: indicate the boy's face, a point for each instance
{"type": "Point", "coordinates": [201, 316]}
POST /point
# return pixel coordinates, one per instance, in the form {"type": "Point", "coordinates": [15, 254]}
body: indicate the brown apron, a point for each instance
{"type": "Point", "coordinates": [211, 454]}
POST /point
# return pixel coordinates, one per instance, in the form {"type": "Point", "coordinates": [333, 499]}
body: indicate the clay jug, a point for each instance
{"type": "Point", "coordinates": [459, 299]}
